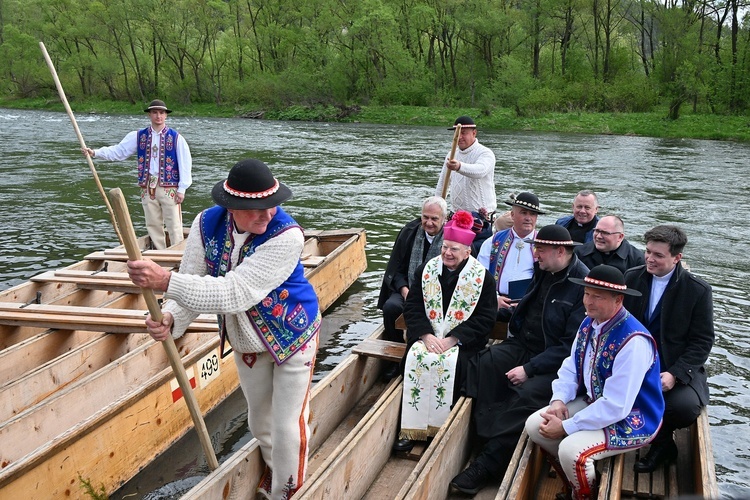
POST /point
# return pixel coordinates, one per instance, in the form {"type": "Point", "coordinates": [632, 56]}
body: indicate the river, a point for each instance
{"type": "Point", "coordinates": [373, 176]}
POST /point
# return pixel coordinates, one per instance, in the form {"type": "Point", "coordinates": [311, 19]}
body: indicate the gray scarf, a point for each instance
{"type": "Point", "coordinates": [415, 259]}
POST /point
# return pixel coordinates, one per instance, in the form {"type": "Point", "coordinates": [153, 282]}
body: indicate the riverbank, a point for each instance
{"type": "Point", "coordinates": [652, 124]}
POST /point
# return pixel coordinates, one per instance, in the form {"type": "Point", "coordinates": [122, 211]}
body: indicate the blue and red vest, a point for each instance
{"type": "Point", "coordinates": [288, 316]}
{"type": "Point", "coordinates": [169, 171]}
{"type": "Point", "coordinates": [645, 418]}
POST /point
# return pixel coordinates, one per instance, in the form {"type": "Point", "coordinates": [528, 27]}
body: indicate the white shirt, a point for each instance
{"type": "Point", "coordinates": [473, 186]}
{"type": "Point", "coordinates": [519, 263]}
{"type": "Point", "coordinates": [129, 145]}
{"type": "Point", "coordinates": [658, 285]}
{"type": "Point", "coordinates": [620, 390]}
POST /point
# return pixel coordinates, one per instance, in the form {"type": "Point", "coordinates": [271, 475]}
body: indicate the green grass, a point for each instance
{"type": "Point", "coordinates": [651, 124]}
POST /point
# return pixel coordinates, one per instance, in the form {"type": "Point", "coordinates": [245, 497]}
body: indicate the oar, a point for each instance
{"type": "Point", "coordinates": [61, 92]}
{"type": "Point", "coordinates": [447, 180]}
{"type": "Point", "coordinates": [122, 218]}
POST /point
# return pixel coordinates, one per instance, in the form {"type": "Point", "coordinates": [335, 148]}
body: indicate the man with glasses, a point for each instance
{"type": "Point", "coordinates": [417, 242]}
{"type": "Point", "coordinates": [610, 246]}
{"type": "Point", "coordinates": [581, 224]}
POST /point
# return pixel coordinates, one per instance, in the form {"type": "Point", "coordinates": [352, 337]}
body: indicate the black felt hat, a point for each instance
{"type": "Point", "coordinates": [464, 121]}
{"type": "Point", "coordinates": [250, 186]}
{"type": "Point", "coordinates": [525, 200]}
{"type": "Point", "coordinates": [157, 104]}
{"type": "Point", "coordinates": [553, 235]}
{"type": "Point", "coordinates": [606, 277]}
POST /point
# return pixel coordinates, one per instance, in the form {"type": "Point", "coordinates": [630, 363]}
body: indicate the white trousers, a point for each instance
{"type": "Point", "coordinates": [160, 211]}
{"type": "Point", "coordinates": [576, 453]}
{"type": "Point", "coordinates": [278, 400]}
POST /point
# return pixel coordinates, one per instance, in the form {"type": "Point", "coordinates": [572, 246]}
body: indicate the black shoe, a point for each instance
{"type": "Point", "coordinates": [403, 445]}
{"type": "Point", "coordinates": [473, 479]}
{"type": "Point", "coordinates": [657, 455]}
{"type": "Point", "coordinates": [392, 370]}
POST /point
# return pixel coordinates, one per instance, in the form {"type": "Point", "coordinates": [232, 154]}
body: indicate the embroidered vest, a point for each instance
{"type": "Point", "coordinates": [169, 172]}
{"type": "Point", "coordinates": [500, 247]}
{"type": "Point", "coordinates": [463, 301]}
{"type": "Point", "coordinates": [288, 316]}
{"type": "Point", "coordinates": [645, 418]}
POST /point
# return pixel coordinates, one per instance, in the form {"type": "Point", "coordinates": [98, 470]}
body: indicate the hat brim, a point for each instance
{"type": "Point", "coordinates": [627, 291]}
{"type": "Point", "coordinates": [570, 243]}
{"type": "Point", "coordinates": [536, 210]}
{"type": "Point", "coordinates": [462, 126]}
{"type": "Point", "coordinates": [226, 200]}
{"type": "Point", "coordinates": [167, 110]}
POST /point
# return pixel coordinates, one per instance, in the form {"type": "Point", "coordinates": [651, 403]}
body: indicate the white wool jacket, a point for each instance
{"type": "Point", "coordinates": [473, 186]}
{"type": "Point", "coordinates": [191, 292]}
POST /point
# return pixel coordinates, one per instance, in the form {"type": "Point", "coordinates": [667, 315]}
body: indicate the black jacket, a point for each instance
{"type": "Point", "coordinates": [686, 322]}
{"type": "Point", "coordinates": [562, 315]}
{"type": "Point", "coordinates": [625, 257]}
{"type": "Point", "coordinates": [397, 270]}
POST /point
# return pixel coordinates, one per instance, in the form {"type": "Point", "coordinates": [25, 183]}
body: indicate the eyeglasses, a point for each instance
{"type": "Point", "coordinates": [605, 233]}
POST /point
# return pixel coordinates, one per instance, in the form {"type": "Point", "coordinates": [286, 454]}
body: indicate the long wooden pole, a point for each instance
{"type": "Point", "coordinates": [61, 92]}
{"type": "Point", "coordinates": [122, 218]}
{"type": "Point", "coordinates": [447, 180]}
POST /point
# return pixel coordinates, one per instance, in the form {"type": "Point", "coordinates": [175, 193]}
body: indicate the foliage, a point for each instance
{"type": "Point", "coordinates": [533, 56]}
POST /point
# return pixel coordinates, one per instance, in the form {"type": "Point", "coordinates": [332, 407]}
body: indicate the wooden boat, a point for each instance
{"type": "Point", "coordinates": [354, 422]}
{"type": "Point", "coordinates": [693, 474]}
{"type": "Point", "coordinates": [84, 398]}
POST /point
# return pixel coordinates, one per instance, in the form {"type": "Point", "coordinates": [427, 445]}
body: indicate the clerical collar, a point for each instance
{"type": "Point", "coordinates": [429, 238]}
{"type": "Point", "coordinates": [666, 277]}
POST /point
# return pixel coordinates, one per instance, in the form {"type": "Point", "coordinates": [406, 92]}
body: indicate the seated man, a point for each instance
{"type": "Point", "coordinates": [610, 246]}
{"type": "Point", "coordinates": [677, 308]}
{"type": "Point", "coordinates": [506, 254]}
{"type": "Point", "coordinates": [511, 380]}
{"type": "Point", "coordinates": [607, 397]}
{"type": "Point", "coordinates": [449, 314]}
{"type": "Point", "coordinates": [583, 221]}
{"type": "Point", "coordinates": [417, 242]}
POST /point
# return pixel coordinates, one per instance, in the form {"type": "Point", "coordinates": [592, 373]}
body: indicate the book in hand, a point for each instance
{"type": "Point", "coordinates": [517, 289]}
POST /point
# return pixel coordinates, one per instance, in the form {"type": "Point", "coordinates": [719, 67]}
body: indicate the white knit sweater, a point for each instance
{"type": "Point", "coordinates": [191, 292]}
{"type": "Point", "coordinates": [473, 186]}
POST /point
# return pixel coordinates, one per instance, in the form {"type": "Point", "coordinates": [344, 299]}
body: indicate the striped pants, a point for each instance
{"type": "Point", "coordinates": [576, 453]}
{"type": "Point", "coordinates": [277, 412]}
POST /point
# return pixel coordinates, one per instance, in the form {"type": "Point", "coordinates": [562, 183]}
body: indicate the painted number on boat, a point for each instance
{"type": "Point", "coordinates": [209, 368]}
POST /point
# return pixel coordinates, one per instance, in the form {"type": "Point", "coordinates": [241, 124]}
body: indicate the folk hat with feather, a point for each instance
{"type": "Point", "coordinates": [250, 185]}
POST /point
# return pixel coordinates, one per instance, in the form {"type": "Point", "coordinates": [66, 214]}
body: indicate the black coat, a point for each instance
{"type": "Point", "coordinates": [625, 257]}
{"type": "Point", "coordinates": [397, 270]}
{"type": "Point", "coordinates": [686, 322]}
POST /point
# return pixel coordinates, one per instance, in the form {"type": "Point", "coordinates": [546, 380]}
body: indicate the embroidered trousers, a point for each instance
{"type": "Point", "coordinates": [161, 211]}
{"type": "Point", "coordinates": [278, 400]}
{"type": "Point", "coordinates": [576, 453]}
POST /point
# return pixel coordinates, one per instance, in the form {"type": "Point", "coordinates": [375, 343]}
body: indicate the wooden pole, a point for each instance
{"type": "Point", "coordinates": [122, 218]}
{"type": "Point", "coordinates": [447, 180]}
{"type": "Point", "coordinates": [61, 92]}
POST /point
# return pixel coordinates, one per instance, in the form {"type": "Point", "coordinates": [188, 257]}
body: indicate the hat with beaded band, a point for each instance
{"type": "Point", "coordinates": [250, 185]}
{"type": "Point", "coordinates": [604, 277]}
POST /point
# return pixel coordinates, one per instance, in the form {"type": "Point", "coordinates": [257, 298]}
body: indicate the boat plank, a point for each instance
{"type": "Point", "coordinates": [381, 349]}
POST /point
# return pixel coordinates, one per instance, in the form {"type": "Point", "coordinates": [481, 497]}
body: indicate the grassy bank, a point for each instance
{"type": "Point", "coordinates": [652, 124]}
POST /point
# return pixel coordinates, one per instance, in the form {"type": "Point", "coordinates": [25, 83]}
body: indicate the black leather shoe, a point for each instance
{"type": "Point", "coordinates": [403, 445]}
{"type": "Point", "coordinates": [391, 371]}
{"type": "Point", "coordinates": [473, 479]}
{"type": "Point", "coordinates": [657, 455]}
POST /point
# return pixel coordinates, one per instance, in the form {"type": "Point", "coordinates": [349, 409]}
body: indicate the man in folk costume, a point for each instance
{"type": "Point", "coordinates": [607, 398]}
{"type": "Point", "coordinates": [242, 262]}
{"type": "Point", "coordinates": [507, 255]}
{"type": "Point", "coordinates": [418, 241]}
{"type": "Point", "coordinates": [511, 380]}
{"type": "Point", "coordinates": [449, 315]}
{"type": "Point", "coordinates": [164, 172]}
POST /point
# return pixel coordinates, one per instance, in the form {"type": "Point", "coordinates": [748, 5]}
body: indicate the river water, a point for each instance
{"type": "Point", "coordinates": [372, 176]}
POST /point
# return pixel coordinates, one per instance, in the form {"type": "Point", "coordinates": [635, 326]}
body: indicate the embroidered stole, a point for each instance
{"type": "Point", "coordinates": [429, 378]}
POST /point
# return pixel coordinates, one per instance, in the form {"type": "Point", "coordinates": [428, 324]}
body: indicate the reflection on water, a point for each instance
{"type": "Point", "coordinates": [375, 177]}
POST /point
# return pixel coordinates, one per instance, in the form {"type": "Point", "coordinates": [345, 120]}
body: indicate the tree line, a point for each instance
{"type": "Point", "coordinates": [530, 55]}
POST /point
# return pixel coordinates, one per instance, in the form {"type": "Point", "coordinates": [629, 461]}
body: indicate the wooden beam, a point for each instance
{"type": "Point", "coordinates": [380, 349]}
